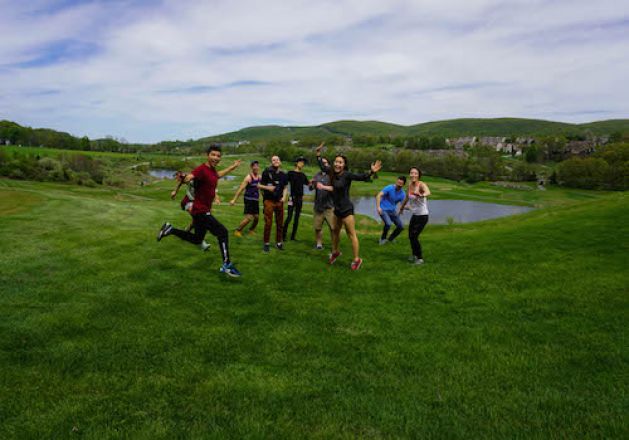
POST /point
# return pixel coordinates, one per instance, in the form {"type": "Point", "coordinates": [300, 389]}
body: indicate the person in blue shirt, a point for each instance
{"type": "Point", "coordinates": [386, 204]}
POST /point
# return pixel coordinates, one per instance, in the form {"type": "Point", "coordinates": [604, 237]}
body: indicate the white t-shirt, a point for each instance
{"type": "Point", "coordinates": [418, 205]}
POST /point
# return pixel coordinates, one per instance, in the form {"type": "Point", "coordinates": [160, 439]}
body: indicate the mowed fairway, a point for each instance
{"type": "Point", "coordinates": [514, 328]}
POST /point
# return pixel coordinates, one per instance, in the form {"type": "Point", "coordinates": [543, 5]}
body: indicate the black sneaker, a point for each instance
{"type": "Point", "coordinates": [266, 248]}
{"type": "Point", "coordinates": [279, 246]}
{"type": "Point", "coordinates": [230, 269]}
{"type": "Point", "coordinates": [164, 231]}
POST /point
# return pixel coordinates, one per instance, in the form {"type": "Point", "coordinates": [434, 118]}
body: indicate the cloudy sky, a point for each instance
{"type": "Point", "coordinates": [154, 70]}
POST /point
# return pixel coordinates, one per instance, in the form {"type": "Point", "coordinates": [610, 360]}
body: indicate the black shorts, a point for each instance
{"type": "Point", "coordinates": [344, 213]}
{"type": "Point", "coordinates": [252, 207]}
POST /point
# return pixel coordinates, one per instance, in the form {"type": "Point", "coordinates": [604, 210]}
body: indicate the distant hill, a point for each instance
{"type": "Point", "coordinates": [17, 134]}
{"type": "Point", "coordinates": [448, 128]}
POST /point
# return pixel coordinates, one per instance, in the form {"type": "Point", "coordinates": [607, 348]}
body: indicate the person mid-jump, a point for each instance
{"type": "Point", "coordinates": [206, 179]}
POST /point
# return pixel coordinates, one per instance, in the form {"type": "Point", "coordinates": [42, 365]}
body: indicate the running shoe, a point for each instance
{"type": "Point", "coordinates": [164, 231]}
{"type": "Point", "coordinates": [279, 246]}
{"type": "Point", "coordinates": [266, 248]}
{"type": "Point", "coordinates": [334, 256]}
{"type": "Point", "coordinates": [419, 261]}
{"type": "Point", "coordinates": [237, 233]}
{"type": "Point", "coordinates": [412, 258]}
{"type": "Point", "coordinates": [356, 264]}
{"type": "Point", "coordinates": [251, 233]}
{"type": "Point", "coordinates": [230, 269]}
{"type": "Point", "coordinates": [382, 242]}
{"type": "Point", "coordinates": [204, 246]}
{"type": "Point", "coordinates": [319, 247]}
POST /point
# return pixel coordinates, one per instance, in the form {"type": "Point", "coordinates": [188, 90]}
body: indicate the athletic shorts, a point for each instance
{"type": "Point", "coordinates": [343, 214]}
{"type": "Point", "coordinates": [252, 207]}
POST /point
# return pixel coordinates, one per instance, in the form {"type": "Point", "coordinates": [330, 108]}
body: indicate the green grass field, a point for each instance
{"type": "Point", "coordinates": [514, 328]}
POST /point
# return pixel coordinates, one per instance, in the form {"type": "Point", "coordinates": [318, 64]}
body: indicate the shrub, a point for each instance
{"type": "Point", "coordinates": [587, 173]}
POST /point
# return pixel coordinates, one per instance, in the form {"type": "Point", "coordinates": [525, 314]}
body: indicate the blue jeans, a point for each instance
{"type": "Point", "coordinates": [389, 218]}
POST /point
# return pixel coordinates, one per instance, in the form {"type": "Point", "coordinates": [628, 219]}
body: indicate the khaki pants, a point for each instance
{"type": "Point", "coordinates": [319, 217]}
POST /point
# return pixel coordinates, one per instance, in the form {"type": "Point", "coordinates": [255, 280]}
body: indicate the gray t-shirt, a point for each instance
{"type": "Point", "coordinates": [323, 198]}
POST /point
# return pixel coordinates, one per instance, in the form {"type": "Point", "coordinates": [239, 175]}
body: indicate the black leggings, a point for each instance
{"type": "Point", "coordinates": [296, 207]}
{"type": "Point", "coordinates": [202, 223]}
{"type": "Point", "coordinates": [416, 226]}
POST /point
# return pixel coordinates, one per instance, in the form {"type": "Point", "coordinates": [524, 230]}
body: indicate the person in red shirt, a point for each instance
{"type": "Point", "coordinates": [205, 178]}
{"type": "Point", "coordinates": [186, 202]}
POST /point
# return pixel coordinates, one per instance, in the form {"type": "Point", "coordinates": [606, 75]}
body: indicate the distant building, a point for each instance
{"type": "Point", "coordinates": [443, 153]}
{"type": "Point", "coordinates": [580, 148]}
{"type": "Point", "coordinates": [462, 142]}
{"type": "Point", "coordinates": [499, 143]}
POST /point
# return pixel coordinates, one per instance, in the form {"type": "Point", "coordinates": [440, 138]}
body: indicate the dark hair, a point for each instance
{"type": "Point", "coordinates": [402, 178]}
{"type": "Point", "coordinates": [345, 168]}
{"type": "Point", "coordinates": [213, 147]}
{"type": "Point", "coordinates": [418, 170]}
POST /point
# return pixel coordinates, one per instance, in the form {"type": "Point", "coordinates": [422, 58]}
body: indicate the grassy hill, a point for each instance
{"type": "Point", "coordinates": [449, 128]}
{"type": "Point", "coordinates": [513, 328]}
{"type": "Point", "coordinates": [493, 127]}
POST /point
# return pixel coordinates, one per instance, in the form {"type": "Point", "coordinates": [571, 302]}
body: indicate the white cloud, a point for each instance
{"type": "Point", "coordinates": [238, 63]}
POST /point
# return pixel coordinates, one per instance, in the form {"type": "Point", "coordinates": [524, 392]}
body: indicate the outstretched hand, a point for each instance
{"type": "Point", "coordinates": [376, 166]}
{"type": "Point", "coordinates": [237, 163]}
{"type": "Point", "coordinates": [319, 148]}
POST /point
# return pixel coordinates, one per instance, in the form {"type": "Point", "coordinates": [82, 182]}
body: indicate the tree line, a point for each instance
{"type": "Point", "coordinates": [607, 168]}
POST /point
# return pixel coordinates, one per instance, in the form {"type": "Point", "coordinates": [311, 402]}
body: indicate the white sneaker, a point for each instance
{"type": "Point", "coordinates": [383, 242]}
{"type": "Point", "coordinates": [419, 261]}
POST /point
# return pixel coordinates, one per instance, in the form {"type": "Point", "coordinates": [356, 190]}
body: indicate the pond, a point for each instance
{"type": "Point", "coordinates": [163, 174]}
{"type": "Point", "coordinates": [170, 174]}
{"type": "Point", "coordinates": [461, 211]}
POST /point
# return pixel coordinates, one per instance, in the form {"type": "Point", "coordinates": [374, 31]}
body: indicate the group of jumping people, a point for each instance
{"type": "Point", "coordinates": [332, 205]}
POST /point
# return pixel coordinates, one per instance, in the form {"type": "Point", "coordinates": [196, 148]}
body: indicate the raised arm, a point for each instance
{"type": "Point", "coordinates": [230, 168]}
{"type": "Point", "coordinates": [366, 177]}
{"type": "Point", "coordinates": [241, 188]}
{"type": "Point", "coordinates": [319, 160]}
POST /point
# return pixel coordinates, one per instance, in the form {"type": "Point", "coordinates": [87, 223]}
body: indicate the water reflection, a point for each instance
{"type": "Point", "coordinates": [460, 211]}
{"type": "Point", "coordinates": [170, 174]}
